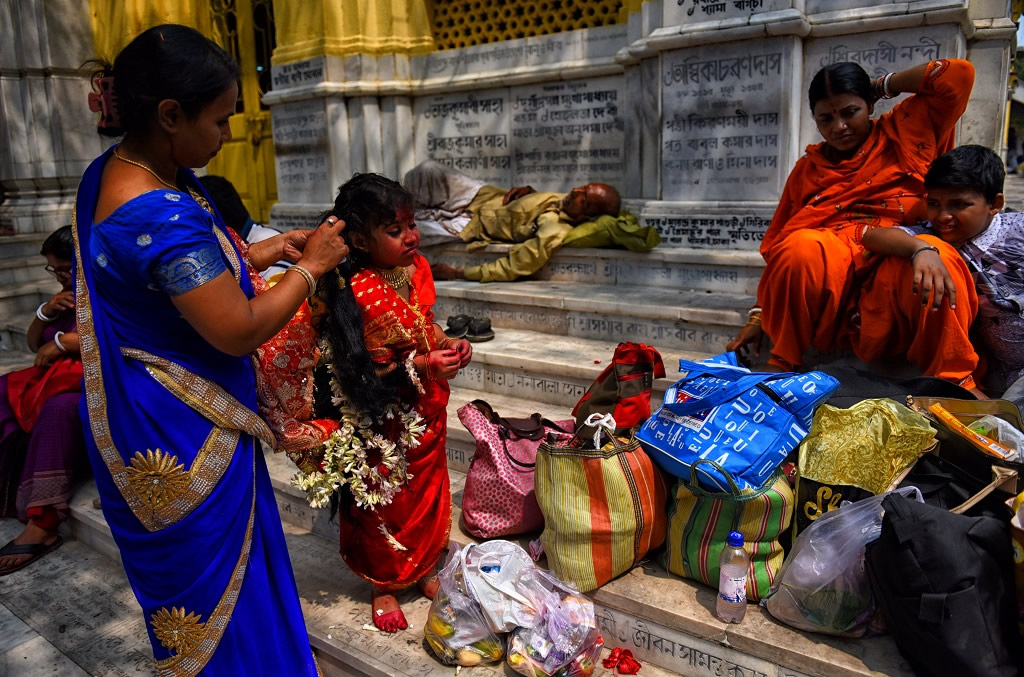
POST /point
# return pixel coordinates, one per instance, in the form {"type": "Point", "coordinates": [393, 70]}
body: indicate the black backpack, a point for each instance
{"type": "Point", "coordinates": [944, 584]}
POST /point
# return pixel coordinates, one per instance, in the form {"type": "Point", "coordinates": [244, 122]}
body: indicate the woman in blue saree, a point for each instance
{"type": "Point", "coordinates": [167, 317]}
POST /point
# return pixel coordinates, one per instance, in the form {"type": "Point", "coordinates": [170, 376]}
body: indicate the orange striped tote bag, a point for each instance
{"type": "Point", "coordinates": [700, 520]}
{"type": "Point", "coordinates": [604, 509]}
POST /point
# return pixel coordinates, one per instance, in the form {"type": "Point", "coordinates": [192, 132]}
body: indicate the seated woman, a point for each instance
{"type": "Point", "coordinates": [819, 287]}
{"type": "Point", "coordinates": [41, 446]}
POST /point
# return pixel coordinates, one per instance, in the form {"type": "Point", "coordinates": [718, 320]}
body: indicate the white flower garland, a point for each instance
{"type": "Point", "coordinates": [347, 454]}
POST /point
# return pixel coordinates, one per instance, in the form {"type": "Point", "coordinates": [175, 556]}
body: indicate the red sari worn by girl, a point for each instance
{"type": "Point", "coordinates": [419, 518]}
{"type": "Point", "coordinates": [397, 544]}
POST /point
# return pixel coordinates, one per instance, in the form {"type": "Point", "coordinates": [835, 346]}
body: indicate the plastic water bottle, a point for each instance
{"type": "Point", "coordinates": [732, 581]}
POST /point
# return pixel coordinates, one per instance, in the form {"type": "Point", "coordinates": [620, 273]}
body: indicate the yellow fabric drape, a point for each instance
{"type": "Point", "coordinates": [309, 28]}
{"type": "Point", "coordinates": [116, 22]}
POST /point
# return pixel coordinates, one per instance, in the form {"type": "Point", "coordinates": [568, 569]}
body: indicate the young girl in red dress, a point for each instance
{"type": "Point", "coordinates": [380, 348]}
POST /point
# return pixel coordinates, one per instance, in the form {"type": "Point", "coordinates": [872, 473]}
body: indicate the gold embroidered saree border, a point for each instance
{"type": "Point", "coordinates": [189, 664]}
{"type": "Point", "coordinates": [203, 395]}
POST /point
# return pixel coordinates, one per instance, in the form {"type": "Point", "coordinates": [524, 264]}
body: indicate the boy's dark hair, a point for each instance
{"type": "Point", "coordinates": [60, 243]}
{"type": "Point", "coordinates": [364, 203]}
{"type": "Point", "coordinates": [166, 62]}
{"type": "Point", "coordinates": [844, 77]}
{"type": "Point", "coordinates": [227, 201]}
{"type": "Point", "coordinates": [968, 167]}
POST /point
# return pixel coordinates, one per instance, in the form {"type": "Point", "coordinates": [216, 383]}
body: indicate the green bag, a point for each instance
{"type": "Point", "coordinates": [699, 522]}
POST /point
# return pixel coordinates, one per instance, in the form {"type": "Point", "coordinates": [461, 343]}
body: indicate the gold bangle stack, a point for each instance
{"type": "Point", "coordinates": [754, 317]}
{"type": "Point", "coordinates": [308, 276]}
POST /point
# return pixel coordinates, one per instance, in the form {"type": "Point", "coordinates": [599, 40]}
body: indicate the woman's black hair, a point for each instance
{"type": "Point", "coordinates": [969, 167]}
{"type": "Point", "coordinates": [364, 203]}
{"type": "Point", "coordinates": [60, 243]}
{"type": "Point", "coordinates": [845, 77]}
{"type": "Point", "coordinates": [227, 201]}
{"type": "Point", "coordinates": [166, 62]}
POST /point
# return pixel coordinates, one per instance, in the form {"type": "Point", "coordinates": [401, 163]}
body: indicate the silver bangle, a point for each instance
{"type": "Point", "coordinates": [56, 339]}
{"type": "Point", "coordinates": [756, 310]}
{"type": "Point", "coordinates": [42, 316]}
{"type": "Point", "coordinates": [886, 94]}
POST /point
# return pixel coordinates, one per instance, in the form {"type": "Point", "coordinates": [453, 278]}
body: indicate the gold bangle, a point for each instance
{"type": "Point", "coordinates": [308, 276]}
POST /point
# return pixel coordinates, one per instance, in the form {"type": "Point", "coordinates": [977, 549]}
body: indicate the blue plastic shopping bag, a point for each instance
{"type": "Point", "coordinates": [747, 422]}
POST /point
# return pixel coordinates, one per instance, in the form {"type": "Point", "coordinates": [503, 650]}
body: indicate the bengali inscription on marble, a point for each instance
{"type": "Point", "coordinates": [308, 72]}
{"type": "Point", "coordinates": [708, 230]}
{"type": "Point", "coordinates": [301, 151]}
{"type": "Point", "coordinates": [568, 133]}
{"type": "Point", "coordinates": [679, 12]}
{"type": "Point", "coordinates": [468, 131]}
{"type": "Point", "coordinates": [878, 53]}
{"type": "Point", "coordinates": [723, 117]}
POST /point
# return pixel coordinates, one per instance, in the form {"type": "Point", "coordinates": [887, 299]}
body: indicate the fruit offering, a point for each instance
{"type": "Point", "coordinates": [460, 636]}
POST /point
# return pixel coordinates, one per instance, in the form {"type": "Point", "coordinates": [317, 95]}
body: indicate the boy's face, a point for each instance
{"type": "Point", "coordinates": [958, 214]}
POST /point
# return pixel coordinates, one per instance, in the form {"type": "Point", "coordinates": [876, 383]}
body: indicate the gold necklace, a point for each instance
{"type": "Point", "coordinates": [397, 277]}
{"type": "Point", "coordinates": [147, 168]}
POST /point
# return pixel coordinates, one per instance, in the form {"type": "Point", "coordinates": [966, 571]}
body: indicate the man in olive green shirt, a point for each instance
{"type": "Point", "coordinates": [536, 223]}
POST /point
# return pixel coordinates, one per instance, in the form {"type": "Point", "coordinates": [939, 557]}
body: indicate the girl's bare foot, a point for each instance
{"type": "Point", "coordinates": [428, 586]}
{"type": "Point", "coordinates": [387, 615]}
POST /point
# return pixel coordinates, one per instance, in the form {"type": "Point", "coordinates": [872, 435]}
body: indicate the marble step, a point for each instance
{"type": "Point", "coordinates": [730, 271]}
{"type": "Point", "coordinates": [23, 299]}
{"type": "Point", "coordinates": [22, 245]}
{"type": "Point", "coordinates": [21, 269]}
{"type": "Point", "coordinates": [701, 322]}
{"type": "Point", "coordinates": [538, 367]}
{"type": "Point", "coordinates": [665, 620]}
{"type": "Point", "coordinates": [91, 615]}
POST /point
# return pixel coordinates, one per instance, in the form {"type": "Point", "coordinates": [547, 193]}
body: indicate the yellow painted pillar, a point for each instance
{"type": "Point", "coordinates": [116, 22]}
{"type": "Point", "coordinates": [311, 28]}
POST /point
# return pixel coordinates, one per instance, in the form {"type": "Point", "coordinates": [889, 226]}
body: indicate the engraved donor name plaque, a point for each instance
{"type": "Point", "coordinates": [697, 11]}
{"type": "Point", "coordinates": [469, 132]}
{"type": "Point", "coordinates": [723, 117]}
{"type": "Point", "coordinates": [569, 133]}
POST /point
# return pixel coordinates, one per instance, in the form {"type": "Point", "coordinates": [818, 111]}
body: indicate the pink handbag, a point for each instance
{"type": "Point", "coordinates": [499, 499]}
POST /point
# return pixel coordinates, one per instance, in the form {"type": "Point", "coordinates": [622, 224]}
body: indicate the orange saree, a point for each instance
{"type": "Point", "coordinates": [821, 288]}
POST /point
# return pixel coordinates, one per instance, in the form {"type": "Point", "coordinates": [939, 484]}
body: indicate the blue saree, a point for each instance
{"type": "Point", "coordinates": [170, 429]}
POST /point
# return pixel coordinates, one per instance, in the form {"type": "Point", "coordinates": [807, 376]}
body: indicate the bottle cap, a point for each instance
{"type": "Point", "coordinates": [735, 539]}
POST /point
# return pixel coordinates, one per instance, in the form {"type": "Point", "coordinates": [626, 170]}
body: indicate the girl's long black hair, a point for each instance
{"type": "Point", "coordinates": [366, 202]}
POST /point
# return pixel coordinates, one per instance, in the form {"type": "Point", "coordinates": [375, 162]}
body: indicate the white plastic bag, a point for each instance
{"type": "Point", "coordinates": [456, 630]}
{"type": "Point", "coordinates": [823, 586]}
{"type": "Point", "coordinates": [502, 578]}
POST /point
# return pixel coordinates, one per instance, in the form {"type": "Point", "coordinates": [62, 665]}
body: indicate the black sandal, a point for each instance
{"type": "Point", "coordinates": [36, 550]}
{"type": "Point", "coordinates": [480, 330]}
{"type": "Point", "coordinates": [458, 326]}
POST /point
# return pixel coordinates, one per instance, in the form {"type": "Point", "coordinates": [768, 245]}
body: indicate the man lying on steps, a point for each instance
{"type": "Point", "coordinates": [451, 205]}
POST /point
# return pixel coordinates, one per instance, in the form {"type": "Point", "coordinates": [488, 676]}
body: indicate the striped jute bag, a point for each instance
{"type": "Point", "coordinates": [700, 520]}
{"type": "Point", "coordinates": [604, 509]}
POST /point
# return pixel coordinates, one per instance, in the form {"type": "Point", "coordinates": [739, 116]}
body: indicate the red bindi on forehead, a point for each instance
{"type": "Point", "coordinates": [403, 216]}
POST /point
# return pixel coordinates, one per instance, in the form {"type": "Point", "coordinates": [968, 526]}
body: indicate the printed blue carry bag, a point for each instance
{"type": "Point", "coordinates": [746, 422]}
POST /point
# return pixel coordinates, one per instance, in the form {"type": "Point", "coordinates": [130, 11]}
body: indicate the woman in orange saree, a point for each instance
{"type": "Point", "coordinates": [820, 287]}
{"type": "Point", "coordinates": [379, 348]}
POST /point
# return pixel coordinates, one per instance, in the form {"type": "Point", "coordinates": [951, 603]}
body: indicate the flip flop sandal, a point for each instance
{"type": "Point", "coordinates": [36, 550]}
{"type": "Point", "coordinates": [480, 330]}
{"type": "Point", "coordinates": [458, 326]}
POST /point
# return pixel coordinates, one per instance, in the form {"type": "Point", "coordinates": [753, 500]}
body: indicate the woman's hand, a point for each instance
{"type": "Point", "coordinates": [931, 275]}
{"type": "Point", "coordinates": [324, 248]}
{"type": "Point", "coordinates": [751, 335]}
{"type": "Point", "coordinates": [287, 246]}
{"type": "Point", "coordinates": [442, 363]}
{"type": "Point", "coordinates": [48, 354]}
{"type": "Point", "coordinates": [65, 300]}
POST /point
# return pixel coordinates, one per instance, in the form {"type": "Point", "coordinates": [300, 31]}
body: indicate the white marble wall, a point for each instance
{"type": "Point", "coordinates": [696, 109]}
{"type": "Point", "coordinates": [47, 134]}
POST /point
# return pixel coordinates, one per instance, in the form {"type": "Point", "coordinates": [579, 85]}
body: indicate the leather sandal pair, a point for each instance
{"type": "Point", "coordinates": [474, 329]}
